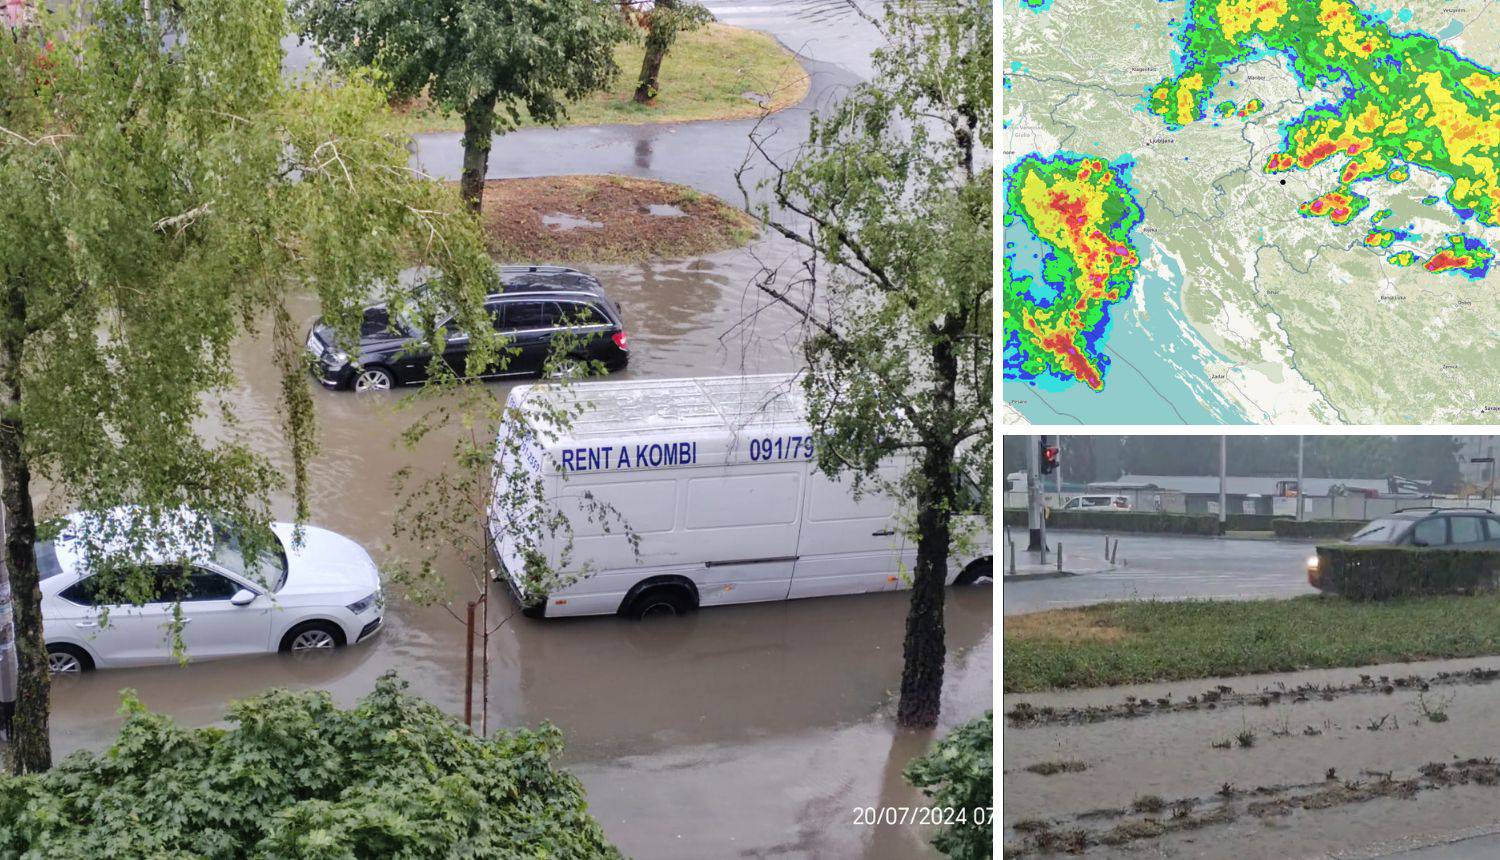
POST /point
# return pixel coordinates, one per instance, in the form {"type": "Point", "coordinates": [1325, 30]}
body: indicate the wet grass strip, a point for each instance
{"type": "Point", "coordinates": [1141, 641]}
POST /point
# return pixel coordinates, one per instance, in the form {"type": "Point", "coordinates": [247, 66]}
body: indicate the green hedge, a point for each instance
{"type": "Point", "coordinates": [1251, 522]}
{"type": "Point", "coordinates": [1382, 572]}
{"type": "Point", "coordinates": [1337, 529]}
{"type": "Point", "coordinates": [294, 776]}
{"type": "Point", "coordinates": [1122, 521]}
{"type": "Point", "coordinates": [959, 774]}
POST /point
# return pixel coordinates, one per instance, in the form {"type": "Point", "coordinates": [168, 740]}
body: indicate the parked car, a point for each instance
{"type": "Point", "coordinates": [323, 592]}
{"type": "Point", "coordinates": [1097, 502]}
{"type": "Point", "coordinates": [1447, 528]}
{"type": "Point", "coordinates": [536, 303]}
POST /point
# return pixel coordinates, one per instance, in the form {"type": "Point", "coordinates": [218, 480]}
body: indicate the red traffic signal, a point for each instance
{"type": "Point", "coordinates": [1050, 458]}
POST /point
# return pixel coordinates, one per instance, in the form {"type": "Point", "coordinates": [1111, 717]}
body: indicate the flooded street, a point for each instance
{"type": "Point", "coordinates": [752, 730]}
{"type": "Point", "coordinates": [738, 730]}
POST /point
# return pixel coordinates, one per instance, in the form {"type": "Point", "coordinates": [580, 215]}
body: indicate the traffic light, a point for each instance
{"type": "Point", "coordinates": [1050, 455]}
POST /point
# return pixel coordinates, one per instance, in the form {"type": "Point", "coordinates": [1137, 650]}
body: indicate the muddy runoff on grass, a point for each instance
{"type": "Point", "coordinates": [607, 218]}
{"type": "Point", "coordinates": [740, 730]}
{"type": "Point", "coordinates": [1024, 714]}
{"type": "Point", "coordinates": [1150, 816]}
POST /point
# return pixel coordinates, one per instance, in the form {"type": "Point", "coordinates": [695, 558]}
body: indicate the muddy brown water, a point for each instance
{"type": "Point", "coordinates": [739, 731]}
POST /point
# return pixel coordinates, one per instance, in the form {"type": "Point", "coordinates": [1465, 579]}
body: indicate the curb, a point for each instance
{"type": "Point", "coordinates": [1049, 574]}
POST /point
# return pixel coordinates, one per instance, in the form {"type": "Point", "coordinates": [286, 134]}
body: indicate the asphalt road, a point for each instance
{"type": "Point", "coordinates": [1161, 567]}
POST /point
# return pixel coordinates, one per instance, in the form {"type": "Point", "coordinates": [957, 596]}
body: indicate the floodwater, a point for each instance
{"type": "Point", "coordinates": [751, 730]}
{"type": "Point", "coordinates": [1299, 745]}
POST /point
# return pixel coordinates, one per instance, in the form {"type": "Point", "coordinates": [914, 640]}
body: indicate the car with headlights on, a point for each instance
{"type": "Point", "coordinates": [313, 591]}
{"type": "Point", "coordinates": [535, 305]}
{"type": "Point", "coordinates": [1423, 528]}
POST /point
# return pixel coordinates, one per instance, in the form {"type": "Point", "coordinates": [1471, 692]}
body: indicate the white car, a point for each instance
{"type": "Point", "coordinates": [321, 593]}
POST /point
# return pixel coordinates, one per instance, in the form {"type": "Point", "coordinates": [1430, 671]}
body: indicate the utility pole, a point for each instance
{"type": "Point", "coordinates": [1300, 507]}
{"type": "Point", "coordinates": [1223, 481]}
{"type": "Point", "coordinates": [1037, 521]}
{"type": "Point", "coordinates": [1058, 471]}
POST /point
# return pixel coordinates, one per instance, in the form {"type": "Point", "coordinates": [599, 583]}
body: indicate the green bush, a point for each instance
{"type": "Point", "coordinates": [1251, 522]}
{"type": "Point", "coordinates": [959, 775]}
{"type": "Point", "coordinates": [297, 777]}
{"type": "Point", "coordinates": [1383, 572]}
{"type": "Point", "coordinates": [1336, 529]}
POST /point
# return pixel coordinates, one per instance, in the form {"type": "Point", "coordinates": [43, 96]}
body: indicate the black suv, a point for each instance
{"type": "Point", "coordinates": [535, 304]}
{"type": "Point", "coordinates": [1456, 528]}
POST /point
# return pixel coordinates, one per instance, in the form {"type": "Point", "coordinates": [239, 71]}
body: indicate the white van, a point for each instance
{"type": "Point", "coordinates": [716, 478]}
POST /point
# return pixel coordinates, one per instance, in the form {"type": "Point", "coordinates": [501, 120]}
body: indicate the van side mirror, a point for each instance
{"type": "Point", "coordinates": [243, 597]}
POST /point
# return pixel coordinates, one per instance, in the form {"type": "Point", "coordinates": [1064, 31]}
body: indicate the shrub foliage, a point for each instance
{"type": "Point", "coordinates": [1383, 572]}
{"type": "Point", "coordinates": [296, 777]}
{"type": "Point", "coordinates": [1335, 529]}
{"type": "Point", "coordinates": [959, 774]}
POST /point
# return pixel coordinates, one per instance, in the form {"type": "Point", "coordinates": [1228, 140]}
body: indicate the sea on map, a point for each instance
{"type": "Point", "coordinates": [1094, 329]}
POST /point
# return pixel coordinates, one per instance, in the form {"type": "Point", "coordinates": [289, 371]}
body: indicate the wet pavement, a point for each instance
{"type": "Point", "coordinates": [1162, 567]}
{"type": "Point", "coordinates": [1278, 791]}
{"type": "Point", "coordinates": [739, 731]}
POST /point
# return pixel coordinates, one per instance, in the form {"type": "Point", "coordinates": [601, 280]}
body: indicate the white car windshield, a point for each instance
{"type": "Point", "coordinates": [269, 567]}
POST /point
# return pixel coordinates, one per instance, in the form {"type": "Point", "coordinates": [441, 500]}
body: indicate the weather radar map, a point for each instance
{"type": "Point", "coordinates": [1251, 211]}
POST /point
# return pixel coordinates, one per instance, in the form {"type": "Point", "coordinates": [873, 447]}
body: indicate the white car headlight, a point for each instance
{"type": "Point", "coordinates": [363, 603]}
{"type": "Point", "coordinates": [1312, 562]}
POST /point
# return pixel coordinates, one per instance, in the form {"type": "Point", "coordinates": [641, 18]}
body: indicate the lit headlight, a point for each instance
{"type": "Point", "coordinates": [1312, 562]}
{"type": "Point", "coordinates": [363, 603]}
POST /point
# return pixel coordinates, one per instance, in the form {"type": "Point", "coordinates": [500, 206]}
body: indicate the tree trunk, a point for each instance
{"type": "Point", "coordinates": [657, 43]}
{"type": "Point", "coordinates": [925, 649]}
{"type": "Point", "coordinates": [479, 129]}
{"type": "Point", "coordinates": [33, 746]}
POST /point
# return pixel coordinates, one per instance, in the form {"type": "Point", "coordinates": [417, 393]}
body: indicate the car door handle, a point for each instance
{"type": "Point", "coordinates": [883, 533]}
{"type": "Point", "coordinates": [85, 625]}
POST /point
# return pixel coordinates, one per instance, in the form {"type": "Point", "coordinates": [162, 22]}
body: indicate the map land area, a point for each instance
{"type": "Point", "coordinates": [1251, 211]}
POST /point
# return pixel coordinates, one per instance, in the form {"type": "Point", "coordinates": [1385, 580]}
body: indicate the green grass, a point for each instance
{"type": "Point", "coordinates": [705, 76]}
{"type": "Point", "coordinates": [1139, 641]}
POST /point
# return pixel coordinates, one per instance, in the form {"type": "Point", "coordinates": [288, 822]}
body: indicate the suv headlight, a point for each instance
{"type": "Point", "coordinates": [335, 359]}
{"type": "Point", "coordinates": [363, 603]}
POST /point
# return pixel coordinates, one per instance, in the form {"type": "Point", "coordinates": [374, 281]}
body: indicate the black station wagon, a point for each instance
{"type": "Point", "coordinates": [536, 303]}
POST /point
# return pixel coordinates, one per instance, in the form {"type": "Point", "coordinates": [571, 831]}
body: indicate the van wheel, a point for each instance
{"type": "Point", "coordinates": [981, 570]}
{"type": "Point", "coordinates": [659, 602]}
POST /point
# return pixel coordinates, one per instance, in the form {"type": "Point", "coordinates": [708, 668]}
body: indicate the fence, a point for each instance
{"type": "Point", "coordinates": [1314, 507]}
{"type": "Point", "coordinates": [1166, 501]}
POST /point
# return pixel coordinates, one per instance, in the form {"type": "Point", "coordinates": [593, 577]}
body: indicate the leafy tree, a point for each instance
{"type": "Point", "coordinates": [163, 190]}
{"type": "Point", "coordinates": [959, 774]}
{"type": "Point", "coordinates": [663, 23]}
{"type": "Point", "coordinates": [485, 60]}
{"type": "Point", "coordinates": [892, 213]}
{"type": "Point", "coordinates": [295, 776]}
{"type": "Point", "coordinates": [483, 489]}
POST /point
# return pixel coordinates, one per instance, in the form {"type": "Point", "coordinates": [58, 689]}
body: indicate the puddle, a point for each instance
{"type": "Point", "coordinates": [563, 222]}
{"type": "Point", "coordinates": [665, 210]}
